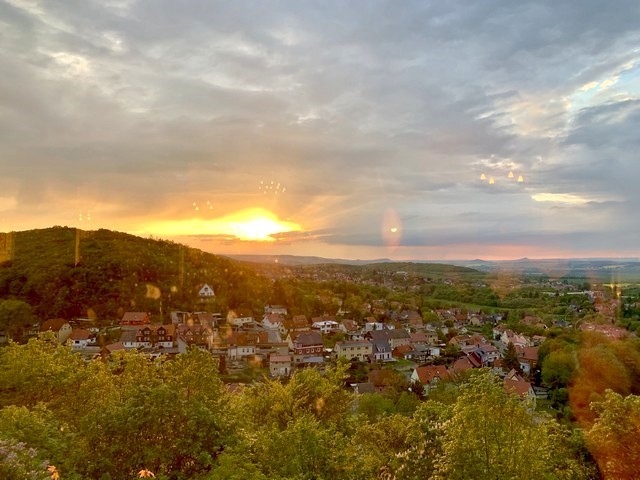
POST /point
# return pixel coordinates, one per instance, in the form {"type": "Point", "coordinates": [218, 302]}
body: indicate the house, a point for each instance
{"type": "Point", "coordinates": [413, 318]}
{"type": "Point", "coordinates": [522, 389]}
{"type": "Point", "coordinates": [280, 365]}
{"type": "Point", "coordinates": [129, 340]}
{"type": "Point", "coordinates": [528, 357]}
{"type": "Point", "coordinates": [240, 318]}
{"type": "Point", "coordinates": [275, 309]}
{"type": "Point", "coordinates": [196, 336]}
{"type": "Point", "coordinates": [81, 338]}
{"type": "Point", "coordinates": [398, 337]}
{"type": "Point", "coordinates": [59, 326]}
{"type": "Point", "coordinates": [371, 324]}
{"type": "Point", "coordinates": [430, 375]}
{"type": "Point", "coordinates": [460, 367]}
{"type": "Point", "coordinates": [351, 329]}
{"type": "Point", "coordinates": [484, 355]}
{"type": "Point", "coordinates": [307, 347]}
{"type": "Point", "coordinates": [272, 321]}
{"type": "Point", "coordinates": [403, 352]}
{"type": "Point", "coordinates": [151, 336]}
{"type": "Point", "coordinates": [361, 350]}
{"type": "Point", "coordinates": [325, 326]}
{"type": "Point", "coordinates": [131, 319]}
{"type": "Point", "coordinates": [244, 344]}
{"type": "Point", "coordinates": [298, 323]}
{"type": "Point", "coordinates": [419, 339]}
{"type": "Point", "coordinates": [206, 292]}
{"type": "Point", "coordinates": [381, 350]}
{"type": "Point", "coordinates": [518, 340]}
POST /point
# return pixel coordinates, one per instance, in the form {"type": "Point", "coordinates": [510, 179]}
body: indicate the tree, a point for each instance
{"type": "Point", "coordinates": [557, 370]}
{"type": "Point", "coordinates": [15, 316]}
{"type": "Point", "coordinates": [613, 439]}
{"type": "Point", "coordinates": [510, 358]}
{"type": "Point", "coordinates": [507, 441]}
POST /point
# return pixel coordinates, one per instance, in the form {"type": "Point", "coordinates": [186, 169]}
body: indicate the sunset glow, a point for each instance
{"type": "Point", "coordinates": [254, 224]}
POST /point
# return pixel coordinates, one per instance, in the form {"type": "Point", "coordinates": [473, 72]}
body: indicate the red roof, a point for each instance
{"type": "Point", "coordinates": [462, 365]}
{"type": "Point", "coordinates": [80, 334]}
{"type": "Point", "coordinates": [428, 373]}
{"type": "Point", "coordinates": [518, 387]}
{"type": "Point", "coordinates": [280, 358]}
{"type": "Point", "coordinates": [53, 325]}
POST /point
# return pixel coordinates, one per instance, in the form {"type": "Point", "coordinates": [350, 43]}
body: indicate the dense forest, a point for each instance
{"type": "Point", "coordinates": [111, 272]}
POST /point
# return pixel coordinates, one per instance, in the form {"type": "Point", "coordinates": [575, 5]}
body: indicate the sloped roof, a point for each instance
{"type": "Point", "coordinates": [280, 358]}
{"type": "Point", "coordinates": [309, 338]}
{"type": "Point", "coordinates": [518, 387]}
{"type": "Point", "coordinates": [80, 334]}
{"type": "Point", "coordinates": [462, 365]}
{"type": "Point", "coordinates": [398, 333]}
{"type": "Point", "coordinates": [53, 325]}
{"type": "Point", "coordinates": [528, 353]}
{"type": "Point", "coordinates": [136, 317]}
{"type": "Point", "coordinates": [428, 373]}
{"type": "Point", "coordinates": [418, 337]}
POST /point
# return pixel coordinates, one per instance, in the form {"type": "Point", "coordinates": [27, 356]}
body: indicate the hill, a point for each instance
{"type": "Point", "coordinates": [65, 272]}
{"type": "Point", "coordinates": [594, 270]}
{"type": "Point", "coordinates": [295, 260]}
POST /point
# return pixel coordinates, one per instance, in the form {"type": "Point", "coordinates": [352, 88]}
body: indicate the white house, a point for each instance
{"type": "Point", "coordinates": [206, 291]}
{"type": "Point", "coordinates": [280, 365]}
{"type": "Point", "coordinates": [81, 338]}
{"type": "Point", "coordinates": [326, 326]}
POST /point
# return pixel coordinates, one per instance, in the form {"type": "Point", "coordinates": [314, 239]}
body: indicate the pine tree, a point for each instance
{"type": "Point", "coordinates": [510, 360]}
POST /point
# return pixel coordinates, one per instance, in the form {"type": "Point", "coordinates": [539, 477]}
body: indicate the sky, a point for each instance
{"type": "Point", "coordinates": [406, 130]}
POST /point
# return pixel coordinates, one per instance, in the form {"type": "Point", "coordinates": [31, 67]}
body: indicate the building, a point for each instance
{"type": "Point", "coordinates": [206, 292]}
{"type": "Point", "coordinates": [59, 326]}
{"type": "Point", "coordinates": [131, 319]}
{"type": "Point", "coordinates": [358, 349]}
{"type": "Point", "coordinates": [280, 365]}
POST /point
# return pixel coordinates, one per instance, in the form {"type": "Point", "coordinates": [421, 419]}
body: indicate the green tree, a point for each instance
{"type": "Point", "coordinates": [510, 358]}
{"type": "Point", "coordinates": [15, 316]}
{"type": "Point", "coordinates": [491, 434]}
{"type": "Point", "coordinates": [557, 370]}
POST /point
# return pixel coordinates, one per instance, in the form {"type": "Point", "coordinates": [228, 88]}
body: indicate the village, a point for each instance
{"type": "Point", "coordinates": [421, 354]}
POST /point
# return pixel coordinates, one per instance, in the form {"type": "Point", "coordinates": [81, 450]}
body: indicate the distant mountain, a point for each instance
{"type": "Point", "coordinates": [599, 270]}
{"type": "Point", "coordinates": [293, 260]}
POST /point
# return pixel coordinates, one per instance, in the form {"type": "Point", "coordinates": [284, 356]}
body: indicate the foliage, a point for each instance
{"type": "Point", "coordinates": [15, 317]}
{"type": "Point", "coordinates": [613, 439]}
{"type": "Point", "coordinates": [119, 272]}
{"type": "Point", "coordinates": [18, 461]}
{"type": "Point", "coordinates": [491, 434]}
{"type": "Point", "coordinates": [510, 359]}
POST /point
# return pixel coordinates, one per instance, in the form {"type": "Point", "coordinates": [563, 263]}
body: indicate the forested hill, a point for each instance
{"type": "Point", "coordinates": [65, 272]}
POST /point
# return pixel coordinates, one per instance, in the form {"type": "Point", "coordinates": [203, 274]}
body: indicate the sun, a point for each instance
{"type": "Point", "coordinates": [258, 225]}
{"type": "Point", "coordinates": [253, 225]}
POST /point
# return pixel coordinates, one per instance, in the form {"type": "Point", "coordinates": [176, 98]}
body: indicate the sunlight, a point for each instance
{"type": "Point", "coordinates": [254, 224]}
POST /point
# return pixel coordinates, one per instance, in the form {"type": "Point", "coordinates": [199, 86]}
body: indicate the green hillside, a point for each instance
{"type": "Point", "coordinates": [116, 272]}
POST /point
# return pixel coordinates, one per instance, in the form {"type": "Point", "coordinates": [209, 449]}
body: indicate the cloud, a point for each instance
{"type": "Point", "coordinates": [137, 109]}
